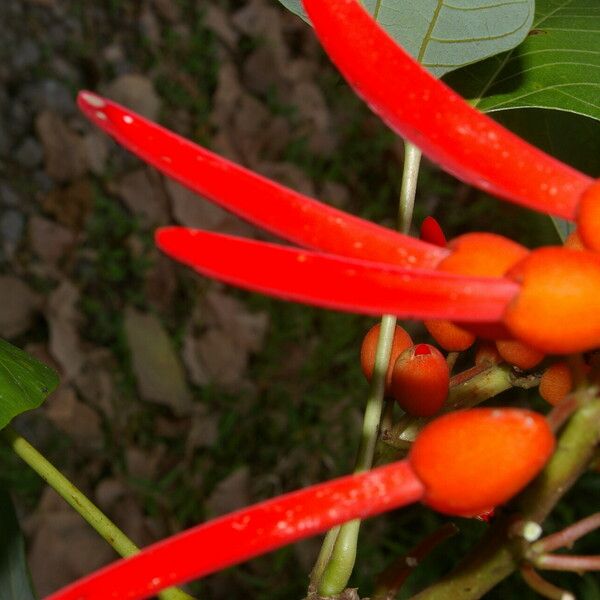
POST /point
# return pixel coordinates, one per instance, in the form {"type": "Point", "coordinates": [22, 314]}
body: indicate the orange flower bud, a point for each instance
{"type": "Point", "coordinates": [573, 241]}
{"type": "Point", "coordinates": [519, 354]}
{"type": "Point", "coordinates": [420, 380]}
{"type": "Point", "coordinates": [556, 383]}
{"type": "Point", "coordinates": [400, 342]}
{"type": "Point", "coordinates": [484, 254]}
{"type": "Point", "coordinates": [588, 217]}
{"type": "Point", "coordinates": [487, 354]}
{"type": "Point", "coordinates": [558, 308]}
{"type": "Point", "coordinates": [473, 460]}
{"type": "Point", "coordinates": [449, 336]}
{"type": "Point", "coordinates": [432, 232]}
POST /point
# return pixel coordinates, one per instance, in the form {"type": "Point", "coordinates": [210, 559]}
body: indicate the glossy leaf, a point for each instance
{"type": "Point", "coordinates": [557, 66]}
{"type": "Point", "coordinates": [336, 282]}
{"type": "Point", "coordinates": [426, 112]}
{"type": "Point", "coordinates": [15, 583]}
{"type": "Point", "coordinates": [24, 382]}
{"type": "Point", "coordinates": [282, 211]}
{"type": "Point", "coordinates": [444, 35]}
{"type": "Point", "coordinates": [567, 136]}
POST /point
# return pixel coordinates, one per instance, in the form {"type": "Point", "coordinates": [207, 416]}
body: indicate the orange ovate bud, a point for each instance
{"type": "Point", "coordinates": [479, 254]}
{"type": "Point", "coordinates": [449, 336]}
{"type": "Point", "coordinates": [483, 254]}
{"type": "Point", "coordinates": [471, 461]}
{"type": "Point", "coordinates": [588, 217]}
{"type": "Point", "coordinates": [557, 310]}
{"type": "Point", "coordinates": [574, 242]}
{"type": "Point", "coordinates": [556, 383]}
{"type": "Point", "coordinates": [487, 354]}
{"type": "Point", "coordinates": [432, 233]}
{"type": "Point", "coordinates": [401, 342]}
{"type": "Point", "coordinates": [420, 380]}
{"type": "Point", "coordinates": [519, 354]}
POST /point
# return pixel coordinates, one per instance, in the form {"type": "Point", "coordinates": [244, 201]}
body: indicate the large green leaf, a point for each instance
{"type": "Point", "coordinates": [24, 382]}
{"type": "Point", "coordinates": [15, 583]}
{"type": "Point", "coordinates": [448, 34]}
{"type": "Point", "coordinates": [557, 66]}
{"type": "Point", "coordinates": [568, 136]}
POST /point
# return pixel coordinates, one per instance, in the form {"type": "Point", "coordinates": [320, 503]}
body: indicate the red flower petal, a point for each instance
{"type": "Point", "coordinates": [428, 113]}
{"type": "Point", "coordinates": [248, 533]}
{"type": "Point", "coordinates": [274, 207]}
{"type": "Point", "coordinates": [337, 282]}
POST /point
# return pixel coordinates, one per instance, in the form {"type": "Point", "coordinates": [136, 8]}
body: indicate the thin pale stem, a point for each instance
{"type": "Point", "coordinates": [410, 175]}
{"type": "Point", "coordinates": [566, 562]}
{"type": "Point", "coordinates": [544, 588]}
{"type": "Point", "coordinates": [336, 574]}
{"type": "Point", "coordinates": [392, 579]}
{"type": "Point", "coordinates": [75, 497]}
{"type": "Point", "coordinates": [568, 536]}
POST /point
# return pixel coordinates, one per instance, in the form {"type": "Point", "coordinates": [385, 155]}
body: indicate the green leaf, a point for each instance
{"type": "Point", "coordinates": [15, 583]}
{"type": "Point", "coordinates": [445, 35]}
{"type": "Point", "coordinates": [557, 66]}
{"type": "Point", "coordinates": [567, 136]}
{"type": "Point", "coordinates": [24, 382]}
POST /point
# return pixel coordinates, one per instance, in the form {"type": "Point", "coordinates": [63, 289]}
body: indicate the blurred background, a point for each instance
{"type": "Point", "coordinates": [181, 398]}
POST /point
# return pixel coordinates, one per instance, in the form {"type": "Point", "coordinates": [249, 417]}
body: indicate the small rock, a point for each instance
{"type": "Point", "coordinates": [157, 370]}
{"type": "Point", "coordinates": [75, 418]}
{"type": "Point", "coordinates": [29, 154]}
{"type": "Point", "coordinates": [63, 148]}
{"type": "Point", "coordinates": [135, 92]}
{"type": "Point", "coordinates": [26, 55]}
{"type": "Point", "coordinates": [8, 196]}
{"type": "Point", "coordinates": [230, 494]}
{"type": "Point", "coordinates": [77, 549]}
{"type": "Point", "coordinates": [143, 194]}
{"type": "Point", "coordinates": [49, 240]}
{"type": "Point", "coordinates": [12, 224]}
{"type": "Point", "coordinates": [18, 307]}
{"type": "Point", "coordinates": [63, 321]}
{"type": "Point", "coordinates": [70, 206]}
{"type": "Point", "coordinates": [97, 151]}
{"type": "Point", "coordinates": [192, 210]}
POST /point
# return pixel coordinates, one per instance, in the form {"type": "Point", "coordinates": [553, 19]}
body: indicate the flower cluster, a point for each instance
{"type": "Point", "coordinates": [478, 284]}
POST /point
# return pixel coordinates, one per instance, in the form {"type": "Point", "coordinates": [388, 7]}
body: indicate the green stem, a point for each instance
{"type": "Point", "coordinates": [73, 496]}
{"type": "Point", "coordinates": [336, 574]}
{"type": "Point", "coordinates": [498, 555]}
{"type": "Point", "coordinates": [410, 174]}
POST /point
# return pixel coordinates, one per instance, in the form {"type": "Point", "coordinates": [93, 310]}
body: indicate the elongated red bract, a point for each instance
{"type": "Point", "coordinates": [425, 111]}
{"type": "Point", "coordinates": [278, 209]}
{"type": "Point", "coordinates": [337, 282]}
{"type": "Point", "coordinates": [249, 532]}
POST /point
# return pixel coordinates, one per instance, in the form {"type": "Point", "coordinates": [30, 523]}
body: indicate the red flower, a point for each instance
{"type": "Point", "coordinates": [350, 264]}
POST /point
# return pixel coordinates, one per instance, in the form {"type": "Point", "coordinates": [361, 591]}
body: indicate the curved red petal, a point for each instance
{"type": "Point", "coordinates": [249, 532]}
{"type": "Point", "coordinates": [428, 113]}
{"type": "Point", "coordinates": [336, 282]}
{"type": "Point", "coordinates": [274, 207]}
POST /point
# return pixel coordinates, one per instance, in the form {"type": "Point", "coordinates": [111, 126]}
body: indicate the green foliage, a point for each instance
{"type": "Point", "coordinates": [24, 382]}
{"type": "Point", "coordinates": [108, 272]}
{"type": "Point", "coordinates": [557, 66]}
{"type": "Point", "coordinates": [444, 36]}
{"type": "Point", "coordinates": [15, 583]}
